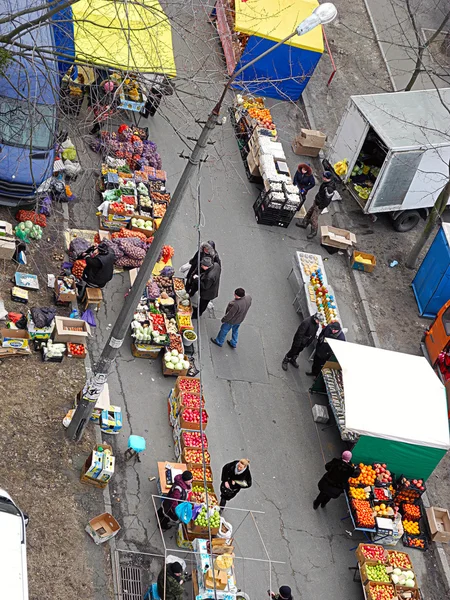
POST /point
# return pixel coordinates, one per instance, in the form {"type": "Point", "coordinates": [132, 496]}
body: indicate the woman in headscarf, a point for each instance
{"type": "Point", "coordinates": [335, 480]}
{"type": "Point", "coordinates": [235, 476]}
{"type": "Point", "coordinates": [206, 249]}
{"type": "Point", "coordinates": [173, 584]}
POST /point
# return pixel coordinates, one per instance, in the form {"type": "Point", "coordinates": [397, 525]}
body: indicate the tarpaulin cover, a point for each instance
{"type": "Point", "coordinates": [276, 19]}
{"type": "Point", "coordinates": [124, 35]}
{"type": "Point", "coordinates": [282, 74]}
{"type": "Point", "coordinates": [415, 462]}
{"type": "Point", "coordinates": [392, 396]}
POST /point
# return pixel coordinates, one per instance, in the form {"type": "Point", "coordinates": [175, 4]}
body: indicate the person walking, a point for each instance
{"type": "Point", "coordinates": [304, 180]}
{"type": "Point", "coordinates": [170, 587]}
{"type": "Point", "coordinates": [321, 201]}
{"type": "Point", "coordinates": [209, 284]}
{"type": "Point", "coordinates": [304, 336]}
{"type": "Point", "coordinates": [284, 593]}
{"type": "Point", "coordinates": [236, 312]}
{"type": "Point", "coordinates": [335, 480]}
{"type": "Point", "coordinates": [323, 350]}
{"type": "Point", "coordinates": [179, 492]}
{"type": "Point", "coordinates": [235, 476]}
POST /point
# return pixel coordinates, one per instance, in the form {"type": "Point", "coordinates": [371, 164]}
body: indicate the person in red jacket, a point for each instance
{"type": "Point", "coordinates": [179, 492]}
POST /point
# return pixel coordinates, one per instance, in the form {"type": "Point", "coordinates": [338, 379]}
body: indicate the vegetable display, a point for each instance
{"type": "Point", "coordinates": [176, 361]}
{"type": "Point", "coordinates": [191, 385]}
{"type": "Point", "coordinates": [76, 349]}
{"type": "Point", "coordinates": [203, 520]}
{"type": "Point", "coordinates": [30, 215]}
{"type": "Point", "coordinates": [363, 513]}
{"type": "Point", "coordinates": [405, 578]}
{"type": "Point", "coordinates": [78, 268]}
{"type": "Point", "coordinates": [28, 229]}
{"type": "Point", "coordinates": [366, 477]}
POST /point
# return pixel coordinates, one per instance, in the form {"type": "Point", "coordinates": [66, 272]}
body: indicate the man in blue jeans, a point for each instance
{"type": "Point", "coordinates": [236, 312]}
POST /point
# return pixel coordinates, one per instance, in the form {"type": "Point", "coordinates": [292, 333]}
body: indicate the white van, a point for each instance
{"type": "Point", "coordinates": [13, 550]}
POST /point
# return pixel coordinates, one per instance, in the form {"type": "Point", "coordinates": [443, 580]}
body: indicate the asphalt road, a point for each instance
{"type": "Point", "coordinates": [255, 409]}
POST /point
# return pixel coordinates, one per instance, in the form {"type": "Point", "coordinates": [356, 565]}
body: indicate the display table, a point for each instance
{"type": "Point", "coordinates": [202, 566]}
{"type": "Point", "coordinates": [334, 386]}
{"type": "Point", "coordinates": [177, 469]}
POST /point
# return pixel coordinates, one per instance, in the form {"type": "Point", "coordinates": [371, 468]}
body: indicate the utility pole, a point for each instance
{"type": "Point", "coordinates": [324, 13]}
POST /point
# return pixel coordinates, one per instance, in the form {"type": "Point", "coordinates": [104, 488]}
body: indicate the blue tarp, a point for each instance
{"type": "Point", "coordinates": [63, 33]}
{"type": "Point", "coordinates": [283, 74]}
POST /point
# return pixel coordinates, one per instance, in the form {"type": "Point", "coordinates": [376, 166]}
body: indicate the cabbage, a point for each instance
{"type": "Point", "coordinates": [409, 575]}
{"type": "Point", "coordinates": [394, 578]}
{"type": "Point", "coordinates": [397, 571]}
{"type": "Point", "coordinates": [178, 367]}
{"type": "Point", "coordinates": [22, 226]}
{"type": "Point", "coordinates": [185, 364]}
{"type": "Point", "coordinates": [174, 360]}
{"type": "Point", "coordinates": [409, 583]}
{"type": "Point", "coordinates": [28, 224]}
{"type": "Point", "coordinates": [175, 352]}
{"type": "Point", "coordinates": [167, 357]}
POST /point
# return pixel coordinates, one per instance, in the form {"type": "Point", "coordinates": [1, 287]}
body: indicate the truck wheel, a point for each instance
{"type": "Point", "coordinates": [406, 220]}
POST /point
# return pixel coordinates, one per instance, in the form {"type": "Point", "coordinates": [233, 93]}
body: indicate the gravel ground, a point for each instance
{"type": "Point", "coordinates": [40, 468]}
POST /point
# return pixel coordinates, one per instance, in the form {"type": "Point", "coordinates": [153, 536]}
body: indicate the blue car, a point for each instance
{"type": "Point", "coordinates": [29, 92]}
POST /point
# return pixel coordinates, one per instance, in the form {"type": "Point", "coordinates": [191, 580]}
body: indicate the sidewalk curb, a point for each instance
{"type": "Point", "coordinates": [364, 305]}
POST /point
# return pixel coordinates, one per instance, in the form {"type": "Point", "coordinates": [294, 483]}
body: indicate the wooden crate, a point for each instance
{"type": "Point", "coordinates": [194, 426]}
{"type": "Point", "coordinates": [368, 587]}
{"type": "Point", "coordinates": [362, 559]}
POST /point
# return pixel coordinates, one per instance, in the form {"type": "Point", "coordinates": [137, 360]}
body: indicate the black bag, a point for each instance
{"type": "Point", "coordinates": [42, 317]}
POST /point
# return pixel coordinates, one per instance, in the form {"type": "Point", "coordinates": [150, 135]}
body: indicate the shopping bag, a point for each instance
{"type": "Point", "coordinates": [185, 268]}
{"type": "Point", "coordinates": [171, 558]}
{"type": "Point", "coordinates": [184, 512]}
{"type": "Point", "coordinates": [194, 300]}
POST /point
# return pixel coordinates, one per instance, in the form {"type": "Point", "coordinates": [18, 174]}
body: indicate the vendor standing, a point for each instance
{"type": "Point", "coordinates": [335, 480]}
{"type": "Point", "coordinates": [99, 268]}
{"type": "Point", "coordinates": [304, 180]}
{"type": "Point", "coordinates": [179, 492]}
{"type": "Point", "coordinates": [304, 336]}
{"type": "Point", "coordinates": [323, 350]}
{"type": "Point", "coordinates": [172, 587]}
{"type": "Point", "coordinates": [235, 477]}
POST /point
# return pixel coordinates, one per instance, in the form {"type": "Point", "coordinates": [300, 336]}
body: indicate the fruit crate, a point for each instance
{"type": "Point", "coordinates": [362, 558]}
{"type": "Point", "coordinates": [183, 444]}
{"type": "Point", "coordinates": [403, 556]}
{"type": "Point", "coordinates": [418, 542]}
{"type": "Point", "coordinates": [410, 593]}
{"type": "Point", "coordinates": [363, 571]}
{"type": "Point", "coordinates": [417, 502]}
{"type": "Point", "coordinates": [191, 382]}
{"type": "Point", "coordinates": [188, 403]}
{"type": "Point", "coordinates": [386, 492]}
{"type": "Point", "coordinates": [188, 425]}
{"type": "Point", "coordinates": [209, 487]}
{"type": "Point", "coordinates": [390, 589]}
{"type": "Point", "coordinates": [187, 459]}
{"type": "Point", "coordinates": [198, 475]}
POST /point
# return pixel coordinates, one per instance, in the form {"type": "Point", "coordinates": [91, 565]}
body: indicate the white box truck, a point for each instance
{"type": "Point", "coordinates": [398, 149]}
{"type": "Point", "coordinates": [13, 550]}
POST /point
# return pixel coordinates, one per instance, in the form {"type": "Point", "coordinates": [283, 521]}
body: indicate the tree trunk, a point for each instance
{"type": "Point", "coordinates": [445, 46]}
{"type": "Point", "coordinates": [433, 217]}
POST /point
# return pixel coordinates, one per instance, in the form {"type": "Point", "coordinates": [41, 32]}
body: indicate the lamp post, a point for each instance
{"type": "Point", "coordinates": [324, 13]}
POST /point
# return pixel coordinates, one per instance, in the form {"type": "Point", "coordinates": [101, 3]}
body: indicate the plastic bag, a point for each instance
{"type": "Point", "coordinates": [225, 529]}
{"type": "Point", "coordinates": [171, 558]}
{"type": "Point", "coordinates": [185, 268]}
{"type": "Point", "coordinates": [184, 512]}
{"type": "Point", "coordinates": [43, 317]}
{"type": "Point", "coordinates": [77, 246]}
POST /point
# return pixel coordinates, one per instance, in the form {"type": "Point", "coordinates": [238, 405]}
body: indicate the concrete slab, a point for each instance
{"type": "Point", "coordinates": [246, 363]}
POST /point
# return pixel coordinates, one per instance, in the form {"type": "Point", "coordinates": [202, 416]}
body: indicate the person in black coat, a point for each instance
{"type": "Point", "coordinates": [235, 476]}
{"type": "Point", "coordinates": [206, 249]}
{"type": "Point", "coordinates": [304, 336]}
{"type": "Point", "coordinates": [209, 284]}
{"type": "Point", "coordinates": [323, 351]}
{"type": "Point", "coordinates": [335, 480]}
{"type": "Point", "coordinates": [99, 268]}
{"type": "Point", "coordinates": [304, 180]}
{"type": "Point", "coordinates": [321, 201]}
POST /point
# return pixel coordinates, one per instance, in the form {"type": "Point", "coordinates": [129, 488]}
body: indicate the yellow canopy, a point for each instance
{"type": "Point", "coordinates": [124, 35]}
{"type": "Point", "coordinates": [276, 19]}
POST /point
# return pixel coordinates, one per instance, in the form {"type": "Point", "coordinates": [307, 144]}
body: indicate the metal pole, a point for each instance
{"type": "Point", "coordinates": [95, 384]}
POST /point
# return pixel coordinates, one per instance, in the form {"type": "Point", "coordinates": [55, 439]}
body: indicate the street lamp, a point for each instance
{"type": "Point", "coordinates": [325, 13]}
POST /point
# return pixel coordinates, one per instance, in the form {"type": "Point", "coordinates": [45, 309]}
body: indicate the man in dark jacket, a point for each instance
{"type": "Point", "coordinates": [235, 476]}
{"type": "Point", "coordinates": [284, 593]}
{"type": "Point", "coordinates": [304, 336]}
{"type": "Point", "coordinates": [321, 201]}
{"type": "Point", "coordinates": [209, 283]}
{"type": "Point", "coordinates": [304, 180]}
{"type": "Point", "coordinates": [206, 249]}
{"type": "Point", "coordinates": [179, 492]}
{"type": "Point", "coordinates": [172, 588]}
{"type": "Point", "coordinates": [236, 312]}
{"type": "Point", "coordinates": [335, 480]}
{"type": "Point", "coordinates": [99, 266]}
{"type": "Point", "coordinates": [323, 350]}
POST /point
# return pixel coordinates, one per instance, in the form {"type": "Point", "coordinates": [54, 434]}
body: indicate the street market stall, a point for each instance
{"type": "Point", "coordinates": [247, 29]}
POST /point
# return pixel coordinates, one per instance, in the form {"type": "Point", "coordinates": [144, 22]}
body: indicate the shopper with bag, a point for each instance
{"type": "Point", "coordinates": [235, 477]}
{"type": "Point", "coordinates": [179, 492]}
{"type": "Point", "coordinates": [191, 267]}
{"type": "Point", "coordinates": [335, 480]}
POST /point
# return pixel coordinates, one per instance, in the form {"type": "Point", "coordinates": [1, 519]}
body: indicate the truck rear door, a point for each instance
{"type": "Point", "coordinates": [349, 138]}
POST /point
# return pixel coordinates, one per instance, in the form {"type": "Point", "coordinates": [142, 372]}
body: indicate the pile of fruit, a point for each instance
{"type": "Point", "coordinates": [78, 268]}
{"type": "Point", "coordinates": [189, 384]}
{"type": "Point", "coordinates": [198, 495]}
{"type": "Point", "coordinates": [411, 512]}
{"type": "Point", "coordinates": [192, 415]}
{"type": "Point", "coordinates": [373, 552]}
{"type": "Point", "coordinates": [383, 474]}
{"type": "Point", "coordinates": [262, 116]}
{"type": "Point", "coordinates": [196, 457]}
{"type": "Point", "coordinates": [320, 295]}
{"type": "Point", "coordinates": [399, 560]}
{"type": "Point", "coordinates": [415, 484]}
{"type": "Point", "coordinates": [411, 527]}
{"type": "Point", "coordinates": [383, 510]}
{"type": "Point", "coordinates": [377, 573]}
{"type": "Point", "coordinates": [381, 592]}
{"type": "Point", "coordinates": [203, 520]}
{"type": "Point", "coordinates": [363, 514]}
{"type": "Point", "coordinates": [366, 477]}
{"type": "Point", "coordinates": [76, 349]}
{"type": "Point", "coordinates": [381, 494]}
{"type": "Point", "coordinates": [358, 493]}
{"type": "Point", "coordinates": [414, 542]}
{"type": "Point", "coordinates": [159, 210]}
{"type": "Point", "coordinates": [192, 439]}
{"type": "Point", "coordinates": [191, 400]}
{"type": "Point", "coordinates": [197, 473]}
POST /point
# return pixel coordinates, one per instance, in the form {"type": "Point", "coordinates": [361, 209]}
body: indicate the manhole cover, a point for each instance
{"type": "Point", "coordinates": [131, 583]}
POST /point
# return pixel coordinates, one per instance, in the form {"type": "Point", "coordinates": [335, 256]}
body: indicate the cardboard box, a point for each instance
{"type": "Point", "coordinates": [6, 229]}
{"type": "Point", "coordinates": [439, 523]}
{"type": "Point", "coordinates": [309, 142]}
{"type": "Point", "coordinates": [362, 266]}
{"type": "Point", "coordinates": [64, 333]}
{"type": "Point", "coordinates": [111, 420]}
{"type": "Point", "coordinates": [147, 232]}
{"type": "Point", "coordinates": [96, 465]}
{"type": "Point", "coordinates": [107, 471]}
{"type": "Point", "coordinates": [220, 577]}
{"type": "Point", "coordinates": [103, 528]}
{"type": "Point", "coordinates": [39, 333]}
{"type": "Point", "coordinates": [68, 296]}
{"type": "Point", "coordinates": [7, 248]}
{"type": "Point", "coordinates": [360, 554]}
{"type": "Point", "coordinates": [252, 166]}
{"type": "Point", "coordinates": [338, 238]}
{"type": "Point", "coordinates": [14, 338]}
